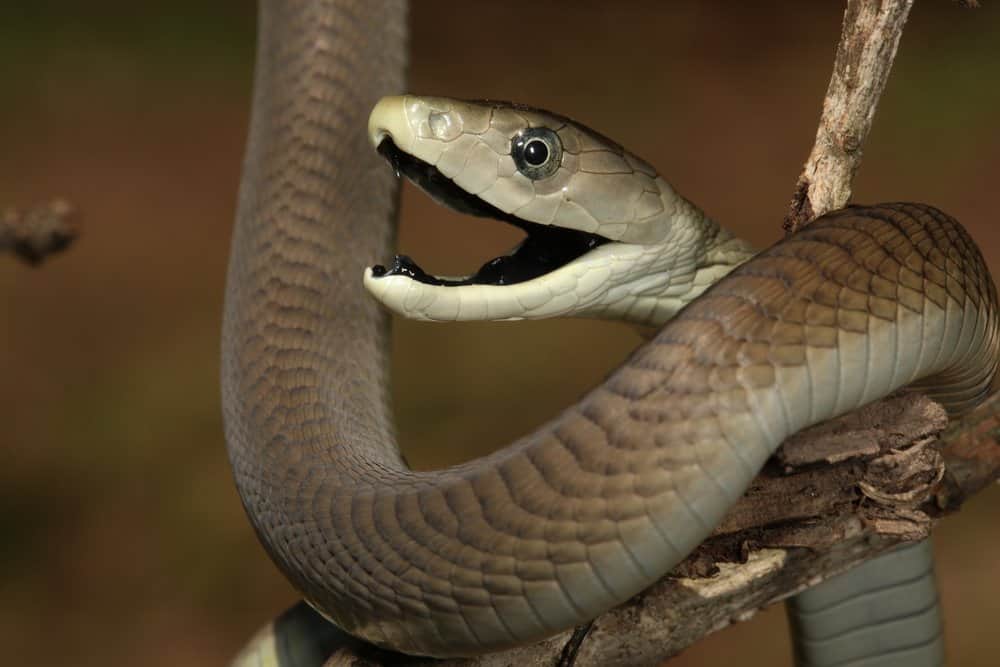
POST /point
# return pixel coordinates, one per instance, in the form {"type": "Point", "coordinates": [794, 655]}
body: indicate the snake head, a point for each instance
{"type": "Point", "coordinates": [594, 214]}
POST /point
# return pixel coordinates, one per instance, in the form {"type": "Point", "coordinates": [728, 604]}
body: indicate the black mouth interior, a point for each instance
{"type": "Point", "coordinates": [545, 249]}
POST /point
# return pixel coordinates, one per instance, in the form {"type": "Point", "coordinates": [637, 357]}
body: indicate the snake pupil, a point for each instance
{"type": "Point", "coordinates": [536, 152]}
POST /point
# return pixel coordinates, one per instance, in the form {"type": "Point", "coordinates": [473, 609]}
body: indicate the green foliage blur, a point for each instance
{"type": "Point", "coordinates": [122, 541]}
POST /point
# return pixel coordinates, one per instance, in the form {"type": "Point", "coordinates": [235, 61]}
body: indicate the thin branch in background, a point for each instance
{"type": "Point", "coordinates": [38, 232]}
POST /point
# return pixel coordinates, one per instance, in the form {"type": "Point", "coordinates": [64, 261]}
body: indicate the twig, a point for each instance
{"type": "Point", "coordinates": [868, 42]}
{"type": "Point", "coordinates": [38, 232]}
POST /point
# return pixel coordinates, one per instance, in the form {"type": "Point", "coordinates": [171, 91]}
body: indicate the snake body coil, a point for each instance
{"type": "Point", "coordinates": [603, 500]}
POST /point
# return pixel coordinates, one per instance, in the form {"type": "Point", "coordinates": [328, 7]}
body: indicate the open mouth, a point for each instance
{"type": "Point", "coordinates": [545, 249]}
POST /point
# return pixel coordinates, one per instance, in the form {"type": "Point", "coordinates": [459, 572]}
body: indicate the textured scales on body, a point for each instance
{"type": "Point", "coordinates": [884, 613]}
{"type": "Point", "coordinates": [603, 500]}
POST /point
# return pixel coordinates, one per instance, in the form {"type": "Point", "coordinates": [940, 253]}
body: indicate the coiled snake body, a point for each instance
{"type": "Point", "coordinates": [604, 499]}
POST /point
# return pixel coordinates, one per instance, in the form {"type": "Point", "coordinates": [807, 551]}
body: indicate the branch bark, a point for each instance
{"type": "Point", "coordinates": [868, 42]}
{"type": "Point", "coordinates": [835, 495]}
{"type": "Point", "coordinates": [39, 232]}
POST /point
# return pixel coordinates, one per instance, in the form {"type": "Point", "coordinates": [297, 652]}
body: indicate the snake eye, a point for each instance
{"type": "Point", "coordinates": [537, 152]}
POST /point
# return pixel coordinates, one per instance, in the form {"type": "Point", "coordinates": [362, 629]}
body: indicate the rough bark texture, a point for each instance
{"type": "Point", "coordinates": [39, 232]}
{"type": "Point", "coordinates": [868, 42]}
{"type": "Point", "coordinates": [835, 495]}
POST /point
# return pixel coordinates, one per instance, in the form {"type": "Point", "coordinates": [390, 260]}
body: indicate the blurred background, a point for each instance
{"type": "Point", "coordinates": [122, 540]}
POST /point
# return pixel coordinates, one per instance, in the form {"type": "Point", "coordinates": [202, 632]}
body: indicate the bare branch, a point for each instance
{"type": "Point", "coordinates": [38, 232]}
{"type": "Point", "coordinates": [868, 43]}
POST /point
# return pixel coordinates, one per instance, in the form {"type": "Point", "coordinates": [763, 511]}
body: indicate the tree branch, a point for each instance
{"type": "Point", "coordinates": [868, 42]}
{"type": "Point", "coordinates": [38, 232]}
{"type": "Point", "coordinates": [835, 495]}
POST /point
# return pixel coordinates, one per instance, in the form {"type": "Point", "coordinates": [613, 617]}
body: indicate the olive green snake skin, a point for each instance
{"type": "Point", "coordinates": [603, 500]}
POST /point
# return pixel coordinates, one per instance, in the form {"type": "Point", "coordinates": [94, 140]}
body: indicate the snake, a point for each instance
{"type": "Point", "coordinates": [607, 497]}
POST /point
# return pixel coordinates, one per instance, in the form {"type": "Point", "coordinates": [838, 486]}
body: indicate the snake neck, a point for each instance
{"type": "Point", "coordinates": [649, 284]}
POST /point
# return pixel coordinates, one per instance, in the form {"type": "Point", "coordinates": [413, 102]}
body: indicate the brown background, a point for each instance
{"type": "Point", "coordinates": [121, 539]}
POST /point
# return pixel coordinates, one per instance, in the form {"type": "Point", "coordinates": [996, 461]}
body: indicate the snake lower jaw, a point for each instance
{"type": "Point", "coordinates": [599, 283]}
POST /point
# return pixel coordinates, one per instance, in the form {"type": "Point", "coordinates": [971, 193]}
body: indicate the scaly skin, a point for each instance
{"type": "Point", "coordinates": [604, 499]}
{"type": "Point", "coordinates": [664, 253]}
{"type": "Point", "coordinates": [858, 618]}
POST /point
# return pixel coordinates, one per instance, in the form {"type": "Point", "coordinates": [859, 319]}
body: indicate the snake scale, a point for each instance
{"type": "Point", "coordinates": [600, 502]}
